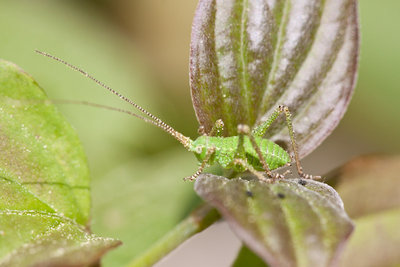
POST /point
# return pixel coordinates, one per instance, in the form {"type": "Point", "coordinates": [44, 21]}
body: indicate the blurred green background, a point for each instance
{"type": "Point", "coordinates": [141, 48]}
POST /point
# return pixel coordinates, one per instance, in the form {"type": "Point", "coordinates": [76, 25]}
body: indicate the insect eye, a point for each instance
{"type": "Point", "coordinates": [199, 149]}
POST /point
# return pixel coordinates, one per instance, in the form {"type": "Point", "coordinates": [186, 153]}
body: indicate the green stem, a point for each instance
{"type": "Point", "coordinates": [197, 221]}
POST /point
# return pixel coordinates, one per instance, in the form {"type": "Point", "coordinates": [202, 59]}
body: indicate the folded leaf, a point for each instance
{"type": "Point", "coordinates": [292, 222]}
{"type": "Point", "coordinates": [249, 56]}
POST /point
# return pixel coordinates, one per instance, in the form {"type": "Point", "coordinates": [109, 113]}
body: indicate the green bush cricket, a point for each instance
{"type": "Point", "coordinates": [246, 151]}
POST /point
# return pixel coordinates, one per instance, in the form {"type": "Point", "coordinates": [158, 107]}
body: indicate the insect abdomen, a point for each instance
{"type": "Point", "coordinates": [274, 155]}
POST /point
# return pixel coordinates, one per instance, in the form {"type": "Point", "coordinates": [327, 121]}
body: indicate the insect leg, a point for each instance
{"type": "Point", "coordinates": [240, 151]}
{"type": "Point", "coordinates": [260, 131]}
{"type": "Point", "coordinates": [217, 129]}
{"type": "Point", "coordinates": [245, 130]}
{"type": "Point", "coordinates": [202, 130]}
{"type": "Point", "coordinates": [210, 152]}
{"type": "Point", "coordinates": [250, 168]}
{"type": "Point", "coordinates": [239, 158]}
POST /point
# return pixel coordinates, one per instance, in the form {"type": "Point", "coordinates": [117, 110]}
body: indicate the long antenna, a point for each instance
{"type": "Point", "coordinates": [185, 141]}
{"type": "Point", "coordinates": [91, 104]}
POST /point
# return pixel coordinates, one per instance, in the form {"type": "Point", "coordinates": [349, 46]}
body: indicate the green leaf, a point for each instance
{"type": "Point", "coordinates": [53, 241]}
{"type": "Point", "coordinates": [291, 222]}
{"type": "Point", "coordinates": [42, 162]}
{"type": "Point", "coordinates": [370, 189]}
{"type": "Point", "coordinates": [249, 56]}
{"type": "Point", "coordinates": [44, 180]}
{"type": "Point", "coordinates": [246, 257]}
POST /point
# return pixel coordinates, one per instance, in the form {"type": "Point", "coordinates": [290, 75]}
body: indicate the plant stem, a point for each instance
{"type": "Point", "coordinates": [198, 220]}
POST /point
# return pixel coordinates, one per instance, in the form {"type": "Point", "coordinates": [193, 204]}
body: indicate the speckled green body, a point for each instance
{"type": "Point", "coordinates": [226, 151]}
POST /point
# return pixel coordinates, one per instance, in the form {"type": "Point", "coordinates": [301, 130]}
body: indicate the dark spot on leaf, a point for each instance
{"type": "Point", "coordinates": [281, 195]}
{"type": "Point", "coordinates": [249, 193]}
{"type": "Point", "coordinates": [302, 182]}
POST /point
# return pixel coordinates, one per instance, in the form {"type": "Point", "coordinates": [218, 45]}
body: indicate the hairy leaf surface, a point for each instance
{"type": "Point", "coordinates": [44, 180]}
{"type": "Point", "coordinates": [49, 241]}
{"type": "Point", "coordinates": [292, 222]}
{"type": "Point", "coordinates": [249, 56]}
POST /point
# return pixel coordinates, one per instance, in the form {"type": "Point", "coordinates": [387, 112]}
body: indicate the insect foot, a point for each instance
{"type": "Point", "coordinates": [278, 176]}
{"type": "Point", "coordinates": [287, 172]}
{"type": "Point", "coordinates": [309, 176]}
{"type": "Point", "coordinates": [274, 177]}
{"type": "Point", "coordinates": [195, 175]}
{"type": "Point", "coordinates": [191, 178]}
{"type": "Point", "coordinates": [210, 152]}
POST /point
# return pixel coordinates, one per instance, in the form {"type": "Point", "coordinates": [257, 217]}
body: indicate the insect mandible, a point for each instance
{"type": "Point", "coordinates": [246, 151]}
